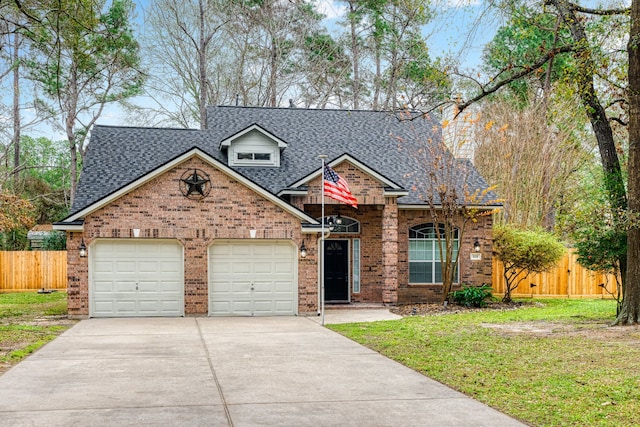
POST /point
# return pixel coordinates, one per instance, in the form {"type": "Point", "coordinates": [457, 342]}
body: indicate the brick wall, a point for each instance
{"type": "Point", "coordinates": [370, 194]}
{"type": "Point", "coordinates": [471, 272]}
{"type": "Point", "coordinates": [160, 211]}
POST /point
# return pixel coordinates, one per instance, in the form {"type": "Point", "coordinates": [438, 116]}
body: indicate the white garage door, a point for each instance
{"type": "Point", "coordinates": [250, 278]}
{"type": "Point", "coordinates": [131, 277]}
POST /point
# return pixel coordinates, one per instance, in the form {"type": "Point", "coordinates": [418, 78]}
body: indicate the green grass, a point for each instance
{"type": "Point", "coordinates": [26, 304]}
{"type": "Point", "coordinates": [27, 322]}
{"type": "Point", "coordinates": [555, 363]}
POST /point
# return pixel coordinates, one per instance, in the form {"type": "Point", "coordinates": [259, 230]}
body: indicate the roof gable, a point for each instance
{"type": "Point", "coordinates": [298, 187]}
{"type": "Point", "coordinates": [253, 128]}
{"type": "Point", "coordinates": [194, 152]}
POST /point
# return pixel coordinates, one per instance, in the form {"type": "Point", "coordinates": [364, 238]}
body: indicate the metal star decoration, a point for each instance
{"type": "Point", "coordinates": [195, 184]}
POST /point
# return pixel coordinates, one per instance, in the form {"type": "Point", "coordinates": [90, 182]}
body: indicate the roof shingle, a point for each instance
{"type": "Point", "coordinates": [118, 156]}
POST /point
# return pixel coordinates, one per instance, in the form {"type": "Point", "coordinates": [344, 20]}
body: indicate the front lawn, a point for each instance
{"type": "Point", "coordinates": [27, 322]}
{"type": "Point", "coordinates": [550, 363]}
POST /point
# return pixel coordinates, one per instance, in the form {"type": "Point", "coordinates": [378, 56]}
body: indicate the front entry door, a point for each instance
{"type": "Point", "coordinates": [336, 270]}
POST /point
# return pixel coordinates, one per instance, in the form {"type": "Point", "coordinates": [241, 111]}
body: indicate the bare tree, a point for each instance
{"type": "Point", "coordinates": [185, 41]}
{"type": "Point", "coordinates": [452, 192]}
{"type": "Point", "coordinates": [532, 155]}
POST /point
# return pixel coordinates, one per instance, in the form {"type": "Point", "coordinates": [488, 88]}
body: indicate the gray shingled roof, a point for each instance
{"type": "Point", "coordinates": [119, 155]}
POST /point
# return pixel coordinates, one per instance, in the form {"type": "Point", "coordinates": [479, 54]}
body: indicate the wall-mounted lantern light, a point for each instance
{"type": "Point", "coordinates": [303, 250]}
{"type": "Point", "coordinates": [82, 249]}
{"type": "Point", "coordinates": [476, 246]}
{"type": "Point", "coordinates": [338, 219]}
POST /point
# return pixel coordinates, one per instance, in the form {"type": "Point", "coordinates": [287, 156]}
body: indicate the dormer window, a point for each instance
{"type": "Point", "coordinates": [249, 158]}
{"type": "Point", "coordinates": [253, 147]}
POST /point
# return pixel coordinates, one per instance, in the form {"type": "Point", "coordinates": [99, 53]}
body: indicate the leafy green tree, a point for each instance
{"type": "Point", "coordinates": [327, 68]}
{"type": "Point", "coordinates": [47, 160]}
{"type": "Point", "coordinates": [520, 41]}
{"type": "Point", "coordinates": [84, 58]}
{"type": "Point", "coordinates": [591, 69]}
{"type": "Point", "coordinates": [55, 241]}
{"type": "Point", "coordinates": [524, 252]}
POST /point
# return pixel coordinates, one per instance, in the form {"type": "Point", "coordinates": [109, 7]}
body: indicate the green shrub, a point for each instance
{"type": "Point", "coordinates": [472, 296]}
{"type": "Point", "coordinates": [55, 241]}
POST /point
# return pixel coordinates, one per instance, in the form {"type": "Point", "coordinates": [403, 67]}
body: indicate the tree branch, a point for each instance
{"type": "Point", "coordinates": [601, 12]}
{"type": "Point", "coordinates": [494, 86]}
{"type": "Point", "coordinates": [618, 120]}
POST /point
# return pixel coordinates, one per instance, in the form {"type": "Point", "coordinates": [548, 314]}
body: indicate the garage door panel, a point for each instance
{"type": "Point", "coordinates": [283, 268]}
{"type": "Point", "coordinates": [170, 287]}
{"type": "Point", "coordinates": [149, 267]}
{"type": "Point", "coordinates": [121, 286]}
{"type": "Point", "coordinates": [240, 287]}
{"type": "Point", "coordinates": [102, 307]}
{"type": "Point", "coordinates": [102, 266]}
{"type": "Point", "coordinates": [263, 267]}
{"type": "Point", "coordinates": [240, 250]}
{"type": "Point", "coordinates": [283, 287]}
{"type": "Point", "coordinates": [241, 267]}
{"type": "Point", "coordinates": [123, 267]}
{"type": "Point", "coordinates": [171, 267]}
{"type": "Point", "coordinates": [136, 278]}
{"type": "Point", "coordinates": [104, 286]}
{"type": "Point", "coordinates": [249, 278]}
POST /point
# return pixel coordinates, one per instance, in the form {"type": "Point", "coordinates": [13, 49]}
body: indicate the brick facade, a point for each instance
{"type": "Point", "coordinates": [231, 209]}
{"type": "Point", "coordinates": [160, 211]}
{"type": "Point", "coordinates": [471, 272]}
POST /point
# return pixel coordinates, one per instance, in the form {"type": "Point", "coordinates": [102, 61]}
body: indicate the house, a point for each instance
{"type": "Point", "coordinates": [172, 222]}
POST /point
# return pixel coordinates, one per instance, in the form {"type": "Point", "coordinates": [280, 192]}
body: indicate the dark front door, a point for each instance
{"type": "Point", "coordinates": [336, 270]}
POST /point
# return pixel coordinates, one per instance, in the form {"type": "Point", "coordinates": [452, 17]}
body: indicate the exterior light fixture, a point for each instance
{"type": "Point", "coordinates": [476, 246]}
{"type": "Point", "coordinates": [338, 219]}
{"type": "Point", "coordinates": [82, 249]}
{"type": "Point", "coordinates": [303, 250]}
{"type": "Point", "coordinates": [331, 223]}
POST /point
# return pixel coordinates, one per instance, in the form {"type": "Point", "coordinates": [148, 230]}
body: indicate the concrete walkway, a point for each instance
{"type": "Point", "coordinates": [277, 371]}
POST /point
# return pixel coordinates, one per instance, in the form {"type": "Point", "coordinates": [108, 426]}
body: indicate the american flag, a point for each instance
{"type": "Point", "coordinates": [337, 188]}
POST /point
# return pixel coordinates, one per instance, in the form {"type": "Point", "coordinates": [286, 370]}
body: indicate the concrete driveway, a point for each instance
{"type": "Point", "coordinates": [277, 371]}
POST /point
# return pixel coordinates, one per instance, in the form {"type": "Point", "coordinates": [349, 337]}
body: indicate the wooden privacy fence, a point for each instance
{"type": "Point", "coordinates": [26, 271]}
{"type": "Point", "coordinates": [568, 280]}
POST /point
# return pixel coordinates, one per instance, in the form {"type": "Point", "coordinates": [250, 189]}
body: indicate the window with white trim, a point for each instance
{"type": "Point", "coordinates": [253, 157]}
{"type": "Point", "coordinates": [425, 265]}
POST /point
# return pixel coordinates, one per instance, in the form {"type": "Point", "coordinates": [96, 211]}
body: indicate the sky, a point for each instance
{"type": "Point", "coordinates": [460, 29]}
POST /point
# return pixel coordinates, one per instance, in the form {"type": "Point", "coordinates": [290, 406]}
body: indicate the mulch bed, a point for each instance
{"type": "Point", "coordinates": [440, 309]}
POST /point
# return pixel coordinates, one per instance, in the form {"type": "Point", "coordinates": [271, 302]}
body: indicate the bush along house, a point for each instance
{"type": "Point", "coordinates": [228, 221]}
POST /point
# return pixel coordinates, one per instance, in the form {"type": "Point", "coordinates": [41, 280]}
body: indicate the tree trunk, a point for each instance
{"type": "Point", "coordinates": [70, 108]}
{"type": "Point", "coordinates": [202, 69]}
{"type": "Point", "coordinates": [16, 107]}
{"type": "Point", "coordinates": [377, 80]}
{"type": "Point", "coordinates": [273, 70]}
{"type": "Point", "coordinates": [630, 310]}
{"type": "Point", "coordinates": [355, 56]}
{"type": "Point", "coordinates": [613, 180]}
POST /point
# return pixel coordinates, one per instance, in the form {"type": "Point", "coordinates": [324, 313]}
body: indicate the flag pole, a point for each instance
{"type": "Point", "coordinates": [322, 157]}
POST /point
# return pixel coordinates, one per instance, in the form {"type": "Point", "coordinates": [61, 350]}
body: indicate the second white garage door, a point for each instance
{"type": "Point", "coordinates": [252, 278]}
